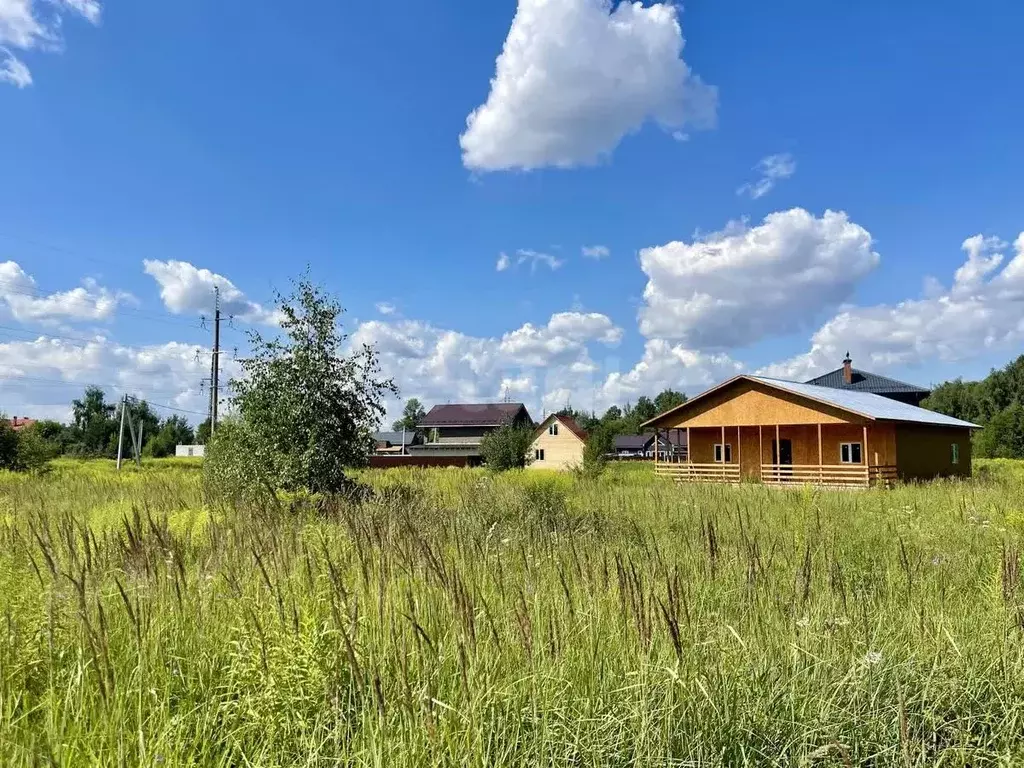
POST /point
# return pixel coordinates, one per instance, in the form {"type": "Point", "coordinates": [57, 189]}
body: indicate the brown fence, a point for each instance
{"type": "Point", "coordinates": [388, 462]}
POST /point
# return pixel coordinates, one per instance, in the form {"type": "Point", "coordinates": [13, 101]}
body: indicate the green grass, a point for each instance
{"type": "Point", "coordinates": [458, 618]}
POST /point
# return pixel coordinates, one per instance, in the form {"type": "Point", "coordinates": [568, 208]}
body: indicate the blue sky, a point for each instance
{"type": "Point", "coordinates": [250, 140]}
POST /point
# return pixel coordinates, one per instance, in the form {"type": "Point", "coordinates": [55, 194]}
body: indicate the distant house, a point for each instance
{"type": "Point", "coordinates": [189, 451]}
{"type": "Point", "coordinates": [855, 380]}
{"type": "Point", "coordinates": [456, 429]}
{"type": "Point", "coordinates": [558, 444]}
{"type": "Point", "coordinates": [395, 443]}
{"type": "Point", "coordinates": [20, 422]}
{"type": "Point", "coordinates": [642, 446]}
{"type": "Point", "coordinates": [785, 432]}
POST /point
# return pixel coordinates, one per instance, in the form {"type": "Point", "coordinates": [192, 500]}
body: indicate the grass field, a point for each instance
{"type": "Point", "coordinates": [458, 618]}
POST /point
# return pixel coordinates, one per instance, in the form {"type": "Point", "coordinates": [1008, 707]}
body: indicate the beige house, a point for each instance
{"type": "Point", "coordinates": [558, 444]}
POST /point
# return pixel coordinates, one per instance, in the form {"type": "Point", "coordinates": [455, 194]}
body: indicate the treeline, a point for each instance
{"type": "Point", "coordinates": [93, 433]}
{"type": "Point", "coordinates": [996, 402]}
{"type": "Point", "coordinates": [627, 420]}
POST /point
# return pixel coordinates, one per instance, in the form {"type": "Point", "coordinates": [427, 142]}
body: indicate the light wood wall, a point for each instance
{"type": "Point", "coordinates": [750, 403]}
{"type": "Point", "coordinates": [561, 452]}
{"type": "Point", "coordinates": [750, 450]}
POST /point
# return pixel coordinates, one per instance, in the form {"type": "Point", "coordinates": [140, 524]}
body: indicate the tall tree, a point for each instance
{"type": "Point", "coordinates": [174, 431]}
{"type": "Point", "coordinates": [306, 409]}
{"type": "Point", "coordinates": [203, 432]}
{"type": "Point", "coordinates": [412, 416]}
{"type": "Point", "coordinates": [93, 417]}
{"type": "Point", "coordinates": [667, 400]}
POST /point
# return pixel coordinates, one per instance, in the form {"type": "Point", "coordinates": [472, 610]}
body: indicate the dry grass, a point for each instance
{"type": "Point", "coordinates": [462, 619]}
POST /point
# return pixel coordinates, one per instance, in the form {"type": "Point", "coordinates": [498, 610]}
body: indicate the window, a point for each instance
{"type": "Point", "coordinates": [849, 453]}
{"type": "Point", "coordinates": [538, 454]}
{"type": "Point", "coordinates": [956, 453]}
{"type": "Point", "coordinates": [553, 429]}
{"type": "Point", "coordinates": [718, 453]}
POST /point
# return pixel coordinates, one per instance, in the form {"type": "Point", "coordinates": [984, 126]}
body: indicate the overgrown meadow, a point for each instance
{"type": "Point", "coordinates": [455, 617]}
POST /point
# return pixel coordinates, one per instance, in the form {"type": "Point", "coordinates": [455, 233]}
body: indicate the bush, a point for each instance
{"type": "Point", "coordinates": [507, 448]}
{"type": "Point", "coordinates": [8, 444]}
{"type": "Point", "coordinates": [35, 452]}
{"type": "Point", "coordinates": [595, 455]}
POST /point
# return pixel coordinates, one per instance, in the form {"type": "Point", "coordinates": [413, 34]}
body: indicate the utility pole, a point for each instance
{"type": "Point", "coordinates": [216, 360]}
{"type": "Point", "coordinates": [120, 434]}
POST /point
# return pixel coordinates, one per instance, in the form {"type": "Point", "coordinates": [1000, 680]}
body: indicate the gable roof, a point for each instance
{"type": "Point", "coordinates": [568, 422]}
{"type": "Point", "coordinates": [473, 415]}
{"type": "Point", "coordinates": [864, 381]}
{"type": "Point", "coordinates": [865, 404]}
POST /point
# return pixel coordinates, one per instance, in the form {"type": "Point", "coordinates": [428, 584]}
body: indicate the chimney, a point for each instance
{"type": "Point", "coordinates": [848, 369]}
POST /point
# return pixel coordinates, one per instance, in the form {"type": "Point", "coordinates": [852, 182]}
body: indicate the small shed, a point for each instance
{"type": "Point", "coordinates": [558, 444]}
{"type": "Point", "coordinates": [786, 432]}
{"type": "Point", "coordinates": [189, 451]}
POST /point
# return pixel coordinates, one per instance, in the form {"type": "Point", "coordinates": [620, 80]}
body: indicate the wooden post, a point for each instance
{"type": "Point", "coordinates": [778, 455]}
{"type": "Point", "coordinates": [864, 458]}
{"type": "Point", "coordinates": [689, 454]}
{"type": "Point", "coordinates": [820, 460]}
{"type": "Point", "coordinates": [739, 452]}
{"type": "Point", "coordinates": [657, 436]}
{"type": "Point", "coordinates": [760, 451]}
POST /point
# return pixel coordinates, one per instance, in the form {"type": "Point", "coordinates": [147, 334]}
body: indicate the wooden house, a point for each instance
{"type": "Point", "coordinates": [856, 380]}
{"type": "Point", "coordinates": [670, 443]}
{"type": "Point", "coordinates": [753, 427]}
{"type": "Point", "coordinates": [558, 444]}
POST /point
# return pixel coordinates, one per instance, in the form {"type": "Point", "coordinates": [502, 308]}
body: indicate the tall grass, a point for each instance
{"type": "Point", "coordinates": [458, 618]}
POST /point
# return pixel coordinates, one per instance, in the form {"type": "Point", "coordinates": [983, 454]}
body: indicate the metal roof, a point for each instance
{"type": "Point", "coordinates": [568, 421]}
{"type": "Point", "coordinates": [395, 438]}
{"type": "Point", "coordinates": [865, 403]}
{"type": "Point", "coordinates": [473, 415]}
{"type": "Point", "coordinates": [864, 381]}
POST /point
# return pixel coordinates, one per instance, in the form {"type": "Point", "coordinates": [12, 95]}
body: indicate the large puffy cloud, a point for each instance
{"type": "Point", "coordinates": [666, 366]}
{"type": "Point", "coordinates": [742, 284]}
{"type": "Point", "coordinates": [40, 377]}
{"type": "Point", "coordinates": [31, 24]}
{"type": "Point", "coordinates": [575, 76]}
{"type": "Point", "coordinates": [982, 310]}
{"type": "Point", "coordinates": [26, 303]}
{"type": "Point", "coordinates": [529, 363]}
{"type": "Point", "coordinates": [187, 288]}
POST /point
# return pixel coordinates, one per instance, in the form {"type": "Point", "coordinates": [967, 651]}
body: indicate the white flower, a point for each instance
{"type": "Point", "coordinates": [872, 657]}
{"type": "Point", "coordinates": [804, 622]}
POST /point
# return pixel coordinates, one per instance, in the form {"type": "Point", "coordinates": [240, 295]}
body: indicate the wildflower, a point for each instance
{"type": "Point", "coordinates": [804, 622]}
{"type": "Point", "coordinates": [872, 657]}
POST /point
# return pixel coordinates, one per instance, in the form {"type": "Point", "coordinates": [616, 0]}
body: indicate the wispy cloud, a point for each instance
{"type": "Point", "coordinates": [597, 251]}
{"type": "Point", "coordinates": [528, 256]}
{"type": "Point", "coordinates": [25, 26]}
{"type": "Point", "coordinates": [386, 308]}
{"type": "Point", "coordinates": [772, 169]}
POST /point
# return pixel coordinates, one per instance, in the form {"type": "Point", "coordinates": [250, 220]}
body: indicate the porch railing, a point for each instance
{"type": "Point", "coordinates": [712, 473]}
{"type": "Point", "coordinates": [835, 475]}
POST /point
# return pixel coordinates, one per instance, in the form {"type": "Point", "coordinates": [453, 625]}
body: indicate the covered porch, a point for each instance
{"type": "Point", "coordinates": [827, 454]}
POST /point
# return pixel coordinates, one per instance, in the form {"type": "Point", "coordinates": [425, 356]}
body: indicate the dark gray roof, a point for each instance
{"type": "Point", "coordinates": [474, 415]}
{"type": "Point", "coordinates": [631, 442]}
{"type": "Point", "coordinates": [865, 403]}
{"type": "Point", "coordinates": [639, 442]}
{"type": "Point", "coordinates": [395, 438]}
{"type": "Point", "coordinates": [862, 381]}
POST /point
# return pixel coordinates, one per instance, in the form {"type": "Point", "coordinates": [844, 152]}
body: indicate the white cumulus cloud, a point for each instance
{"type": "Point", "coordinates": [771, 170]}
{"type": "Point", "coordinates": [35, 25]}
{"type": "Point", "coordinates": [576, 76]}
{"type": "Point", "coordinates": [734, 287]}
{"type": "Point", "coordinates": [39, 378]}
{"type": "Point", "coordinates": [982, 310]}
{"type": "Point", "coordinates": [26, 303]}
{"type": "Point", "coordinates": [187, 288]}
